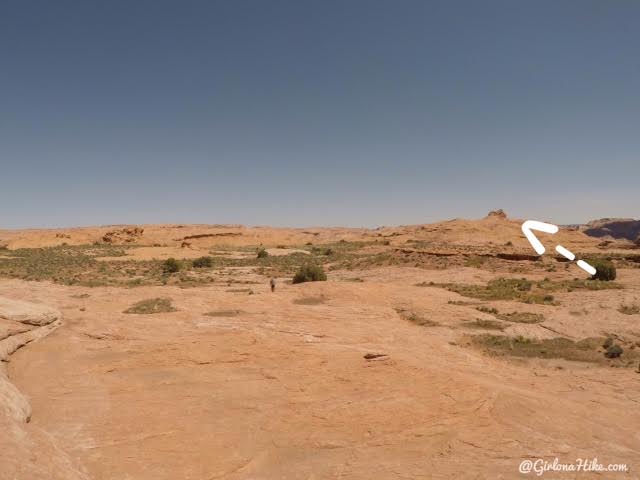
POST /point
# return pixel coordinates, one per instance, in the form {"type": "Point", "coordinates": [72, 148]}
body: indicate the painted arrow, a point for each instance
{"type": "Point", "coordinates": [530, 225]}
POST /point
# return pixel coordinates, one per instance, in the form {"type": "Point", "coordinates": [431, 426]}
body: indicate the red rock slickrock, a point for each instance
{"type": "Point", "coordinates": [374, 373]}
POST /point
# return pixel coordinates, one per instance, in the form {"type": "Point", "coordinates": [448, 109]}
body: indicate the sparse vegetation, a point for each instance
{"type": "Point", "coordinates": [262, 253]}
{"type": "Point", "coordinates": [632, 309]}
{"type": "Point", "coordinates": [76, 265]}
{"type": "Point", "coordinates": [605, 269]}
{"type": "Point", "coordinates": [500, 289]}
{"type": "Point", "coordinates": [516, 317]}
{"type": "Point", "coordinates": [310, 273]}
{"type": "Point", "coordinates": [171, 265]}
{"type": "Point", "coordinates": [585, 350]}
{"type": "Point", "coordinates": [415, 318]}
{"type": "Point", "coordinates": [492, 311]}
{"type": "Point", "coordinates": [521, 317]}
{"type": "Point", "coordinates": [475, 261]}
{"type": "Point", "coordinates": [485, 324]}
{"type": "Point", "coordinates": [576, 284]}
{"type": "Point", "coordinates": [151, 306]}
{"type": "Point", "coordinates": [461, 303]}
{"type": "Point", "coordinates": [203, 262]}
{"type": "Point", "coordinates": [523, 290]}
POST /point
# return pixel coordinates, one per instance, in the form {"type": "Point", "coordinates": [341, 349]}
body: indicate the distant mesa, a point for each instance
{"type": "Point", "coordinates": [616, 228]}
{"type": "Point", "coordinates": [497, 214]}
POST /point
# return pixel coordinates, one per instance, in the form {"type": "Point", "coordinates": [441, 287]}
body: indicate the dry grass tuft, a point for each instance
{"type": "Point", "coordinates": [151, 306]}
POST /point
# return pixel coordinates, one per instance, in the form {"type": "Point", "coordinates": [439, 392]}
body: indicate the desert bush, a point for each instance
{"type": "Point", "coordinates": [203, 262]}
{"type": "Point", "coordinates": [605, 269]}
{"type": "Point", "coordinates": [152, 305]}
{"type": "Point", "coordinates": [171, 265]}
{"type": "Point", "coordinates": [613, 351]}
{"type": "Point", "coordinates": [262, 253]}
{"type": "Point", "coordinates": [475, 261]}
{"type": "Point", "coordinates": [310, 273]}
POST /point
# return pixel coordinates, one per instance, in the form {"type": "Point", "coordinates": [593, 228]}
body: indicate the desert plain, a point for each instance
{"type": "Point", "coordinates": [446, 350]}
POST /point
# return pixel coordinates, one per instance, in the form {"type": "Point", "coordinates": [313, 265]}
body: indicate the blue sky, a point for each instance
{"type": "Point", "coordinates": [359, 113]}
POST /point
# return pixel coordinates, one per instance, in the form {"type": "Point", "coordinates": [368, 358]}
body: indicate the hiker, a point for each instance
{"type": "Point", "coordinates": [272, 282]}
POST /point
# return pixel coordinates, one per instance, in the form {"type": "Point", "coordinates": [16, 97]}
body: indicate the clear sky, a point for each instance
{"type": "Point", "coordinates": [360, 113]}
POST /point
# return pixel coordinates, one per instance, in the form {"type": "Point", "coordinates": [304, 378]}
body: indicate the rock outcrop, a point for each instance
{"type": "Point", "coordinates": [497, 214]}
{"type": "Point", "coordinates": [26, 452]}
{"type": "Point", "coordinates": [27, 313]}
{"type": "Point", "coordinates": [124, 235]}
{"type": "Point", "coordinates": [617, 228]}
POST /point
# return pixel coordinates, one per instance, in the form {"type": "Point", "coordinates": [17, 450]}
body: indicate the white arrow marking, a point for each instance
{"type": "Point", "coordinates": [540, 226]}
{"type": "Point", "coordinates": [565, 253]}
{"type": "Point", "coordinates": [586, 267]}
{"type": "Point", "coordinates": [539, 248]}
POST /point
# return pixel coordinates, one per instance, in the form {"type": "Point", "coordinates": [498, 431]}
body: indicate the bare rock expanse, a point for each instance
{"type": "Point", "coordinates": [447, 350]}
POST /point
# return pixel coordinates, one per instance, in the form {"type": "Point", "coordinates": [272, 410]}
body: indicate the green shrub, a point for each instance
{"type": "Point", "coordinates": [203, 262]}
{"type": "Point", "coordinates": [310, 273]}
{"type": "Point", "coordinates": [262, 253]}
{"type": "Point", "coordinates": [171, 265]}
{"type": "Point", "coordinates": [605, 270]}
{"type": "Point", "coordinates": [613, 351]}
